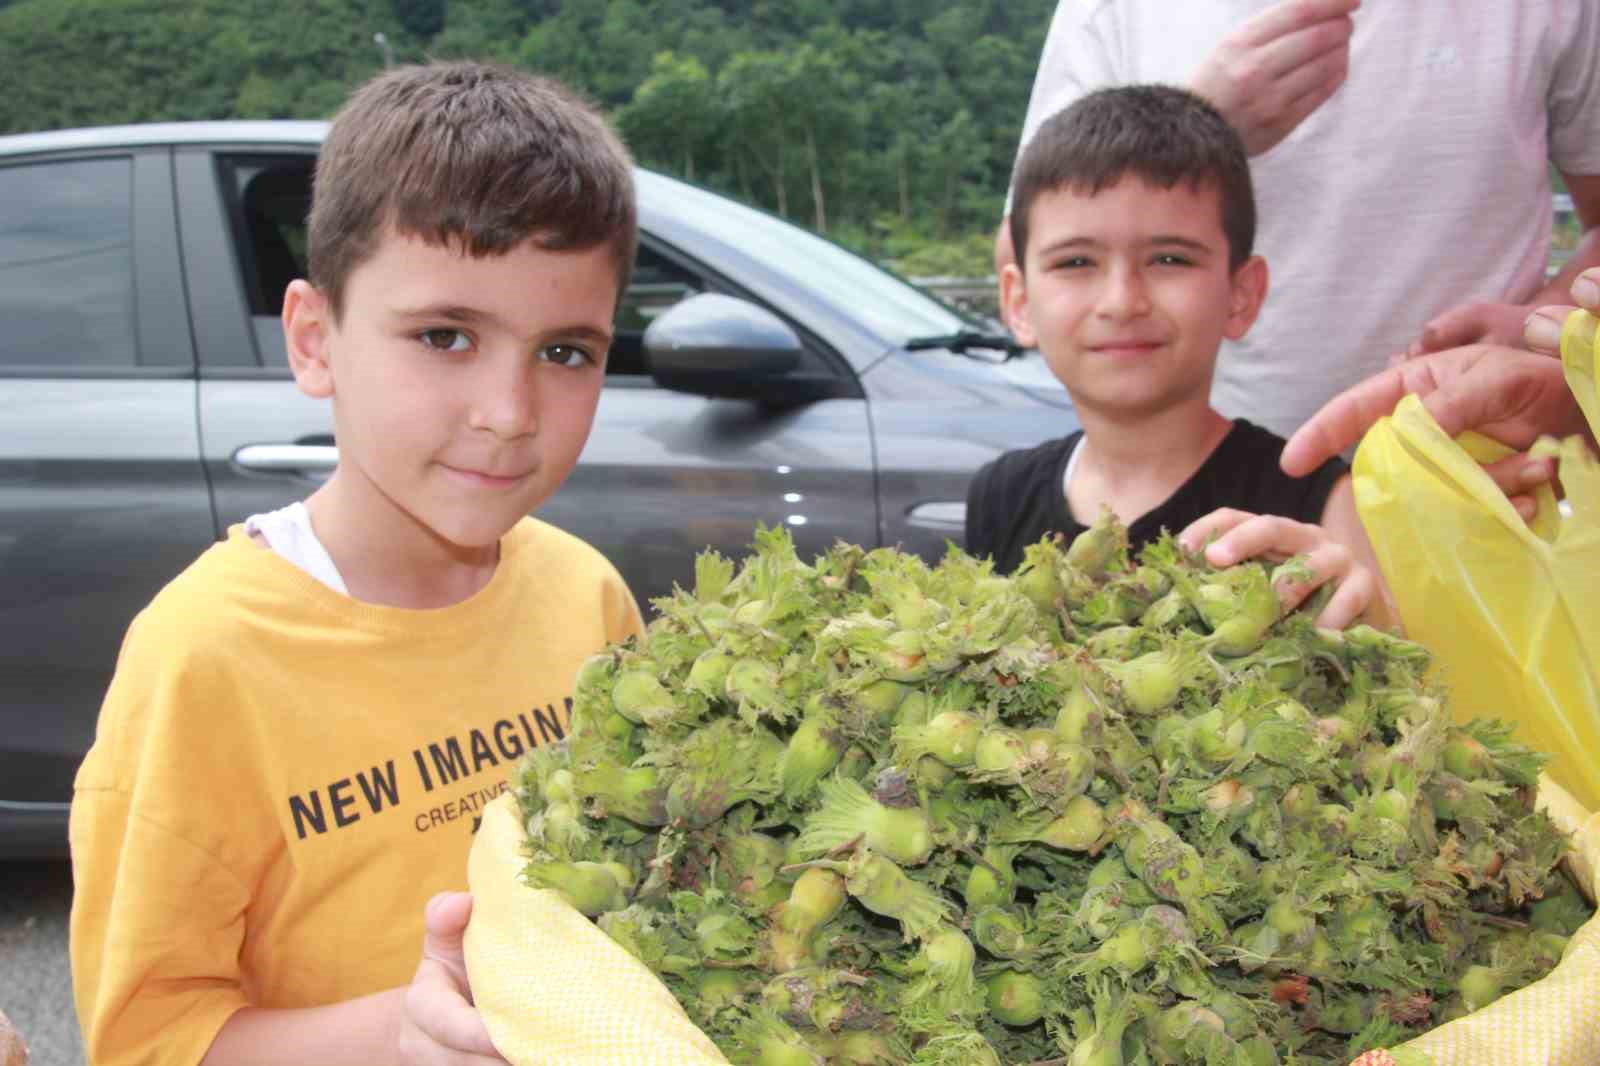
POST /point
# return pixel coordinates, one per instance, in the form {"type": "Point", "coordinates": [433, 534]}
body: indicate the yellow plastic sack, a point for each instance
{"type": "Point", "coordinates": [1507, 607]}
{"type": "Point", "coordinates": [556, 991]}
{"type": "Point", "coordinates": [552, 988]}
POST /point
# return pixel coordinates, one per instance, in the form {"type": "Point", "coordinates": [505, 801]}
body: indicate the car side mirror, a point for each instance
{"type": "Point", "coordinates": [716, 345]}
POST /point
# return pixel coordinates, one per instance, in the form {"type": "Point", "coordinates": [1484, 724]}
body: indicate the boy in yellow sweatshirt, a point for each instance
{"type": "Point", "coordinates": [304, 724]}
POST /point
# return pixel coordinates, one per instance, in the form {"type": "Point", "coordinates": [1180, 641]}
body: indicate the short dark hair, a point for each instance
{"type": "Point", "coordinates": [1159, 133]}
{"type": "Point", "coordinates": [485, 155]}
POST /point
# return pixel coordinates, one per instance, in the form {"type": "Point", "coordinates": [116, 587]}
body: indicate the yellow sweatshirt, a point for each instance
{"type": "Point", "coordinates": [282, 776]}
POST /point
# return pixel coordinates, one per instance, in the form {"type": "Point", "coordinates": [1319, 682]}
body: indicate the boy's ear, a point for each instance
{"type": "Point", "coordinates": [1014, 305]}
{"type": "Point", "coordinates": [1249, 292]}
{"type": "Point", "coordinates": [307, 326]}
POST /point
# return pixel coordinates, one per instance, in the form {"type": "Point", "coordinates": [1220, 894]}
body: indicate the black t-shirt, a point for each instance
{"type": "Point", "coordinates": [1018, 498]}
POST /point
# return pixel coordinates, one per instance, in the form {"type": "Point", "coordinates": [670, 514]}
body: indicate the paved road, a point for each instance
{"type": "Point", "coordinates": [35, 983]}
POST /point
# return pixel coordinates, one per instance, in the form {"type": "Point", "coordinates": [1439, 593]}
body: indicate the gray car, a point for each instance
{"type": "Point", "coordinates": [760, 375]}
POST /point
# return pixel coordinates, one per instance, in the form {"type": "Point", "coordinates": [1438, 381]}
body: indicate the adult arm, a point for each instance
{"type": "Point", "coordinates": [1275, 70]}
{"type": "Point", "coordinates": [1507, 394]}
{"type": "Point", "coordinates": [1572, 125]}
{"type": "Point", "coordinates": [1502, 323]}
{"type": "Point", "coordinates": [1512, 396]}
{"type": "Point", "coordinates": [1266, 77]}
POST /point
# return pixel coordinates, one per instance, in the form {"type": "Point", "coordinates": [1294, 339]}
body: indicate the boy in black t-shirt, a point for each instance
{"type": "Point", "coordinates": [1133, 221]}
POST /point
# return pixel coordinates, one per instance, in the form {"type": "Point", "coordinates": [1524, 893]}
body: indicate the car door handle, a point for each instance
{"type": "Point", "coordinates": [287, 458]}
{"type": "Point", "coordinates": [945, 516]}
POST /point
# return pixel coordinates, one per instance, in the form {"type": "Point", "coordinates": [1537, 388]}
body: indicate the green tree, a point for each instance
{"type": "Point", "coordinates": [890, 124]}
{"type": "Point", "coordinates": [756, 90]}
{"type": "Point", "coordinates": [674, 115]}
{"type": "Point", "coordinates": [420, 18]}
{"type": "Point", "coordinates": [482, 29]}
{"type": "Point", "coordinates": [821, 88]}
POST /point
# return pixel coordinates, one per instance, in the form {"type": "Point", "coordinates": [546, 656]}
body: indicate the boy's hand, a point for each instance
{"type": "Point", "coordinates": [1272, 72]}
{"type": "Point", "coordinates": [438, 1024]}
{"type": "Point", "coordinates": [1241, 535]}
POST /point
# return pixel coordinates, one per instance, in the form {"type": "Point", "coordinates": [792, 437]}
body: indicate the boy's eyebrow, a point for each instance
{"type": "Point", "coordinates": [1181, 242]}
{"type": "Point", "coordinates": [1069, 242]}
{"type": "Point", "coordinates": [470, 315]}
{"type": "Point", "coordinates": [598, 336]}
{"type": "Point", "coordinates": [1163, 239]}
{"type": "Point", "coordinates": [445, 313]}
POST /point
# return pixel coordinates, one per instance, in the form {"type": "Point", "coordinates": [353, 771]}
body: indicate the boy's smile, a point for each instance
{"type": "Point", "coordinates": [1128, 293]}
{"type": "Point", "coordinates": [464, 389]}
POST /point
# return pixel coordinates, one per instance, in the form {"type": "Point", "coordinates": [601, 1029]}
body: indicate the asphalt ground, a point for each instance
{"type": "Point", "coordinates": [35, 980]}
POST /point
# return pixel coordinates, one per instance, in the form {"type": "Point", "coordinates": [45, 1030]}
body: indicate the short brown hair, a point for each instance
{"type": "Point", "coordinates": [485, 155]}
{"type": "Point", "coordinates": [1161, 134]}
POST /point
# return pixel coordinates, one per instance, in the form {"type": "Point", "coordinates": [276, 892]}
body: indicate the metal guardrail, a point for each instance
{"type": "Point", "coordinates": [979, 296]}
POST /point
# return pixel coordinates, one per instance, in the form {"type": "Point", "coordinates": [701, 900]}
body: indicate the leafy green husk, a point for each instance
{"type": "Point", "coordinates": [866, 810]}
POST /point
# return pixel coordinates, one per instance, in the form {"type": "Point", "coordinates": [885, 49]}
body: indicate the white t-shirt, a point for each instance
{"type": "Point", "coordinates": [288, 532]}
{"type": "Point", "coordinates": [1422, 184]}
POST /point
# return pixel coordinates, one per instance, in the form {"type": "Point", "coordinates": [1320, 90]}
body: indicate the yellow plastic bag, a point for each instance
{"type": "Point", "coordinates": [1503, 604]}
{"type": "Point", "coordinates": [552, 988]}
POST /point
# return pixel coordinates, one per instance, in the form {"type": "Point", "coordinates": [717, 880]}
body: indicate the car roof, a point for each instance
{"type": "Point", "coordinates": [847, 331]}
{"type": "Point", "coordinates": [236, 131]}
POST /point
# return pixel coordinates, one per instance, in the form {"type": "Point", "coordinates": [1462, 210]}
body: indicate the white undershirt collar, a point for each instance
{"type": "Point", "coordinates": [288, 532]}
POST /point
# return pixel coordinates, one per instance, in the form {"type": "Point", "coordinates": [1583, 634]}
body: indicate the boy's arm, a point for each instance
{"type": "Point", "coordinates": [429, 1022]}
{"type": "Point", "coordinates": [357, 1031]}
{"type": "Point", "coordinates": [155, 933]}
{"type": "Point", "coordinates": [1342, 522]}
{"type": "Point", "coordinates": [160, 899]}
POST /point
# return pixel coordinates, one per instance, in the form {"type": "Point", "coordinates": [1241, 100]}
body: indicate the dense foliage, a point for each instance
{"type": "Point", "coordinates": [889, 124]}
{"type": "Point", "coordinates": [868, 811]}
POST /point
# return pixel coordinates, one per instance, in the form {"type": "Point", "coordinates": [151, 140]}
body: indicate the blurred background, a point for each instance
{"type": "Point", "coordinates": [889, 125]}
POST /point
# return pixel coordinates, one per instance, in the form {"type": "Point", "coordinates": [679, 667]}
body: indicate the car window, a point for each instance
{"type": "Point", "coordinates": [66, 265]}
{"type": "Point", "coordinates": [888, 304]}
{"type": "Point", "coordinates": [656, 284]}
{"type": "Point", "coordinates": [271, 199]}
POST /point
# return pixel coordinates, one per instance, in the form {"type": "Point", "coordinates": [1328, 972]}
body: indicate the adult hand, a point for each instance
{"type": "Point", "coordinates": [1542, 331]}
{"type": "Point", "coordinates": [1240, 535]}
{"type": "Point", "coordinates": [1272, 72]}
{"type": "Point", "coordinates": [1507, 394]}
{"type": "Point", "coordinates": [439, 1025]}
{"type": "Point", "coordinates": [1480, 323]}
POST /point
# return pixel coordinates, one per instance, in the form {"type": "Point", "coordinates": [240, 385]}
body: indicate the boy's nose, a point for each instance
{"type": "Point", "coordinates": [507, 405]}
{"type": "Point", "coordinates": [1124, 294]}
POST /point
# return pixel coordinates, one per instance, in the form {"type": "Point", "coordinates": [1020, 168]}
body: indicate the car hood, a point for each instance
{"type": "Point", "coordinates": [937, 375]}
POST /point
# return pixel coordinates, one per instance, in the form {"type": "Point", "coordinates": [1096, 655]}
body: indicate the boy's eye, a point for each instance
{"type": "Point", "coordinates": [1073, 262]}
{"type": "Point", "coordinates": [1171, 259]}
{"type": "Point", "coordinates": [445, 340]}
{"type": "Point", "coordinates": [566, 355]}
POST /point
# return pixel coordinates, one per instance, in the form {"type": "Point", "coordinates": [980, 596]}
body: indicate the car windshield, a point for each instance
{"type": "Point", "coordinates": [891, 306]}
